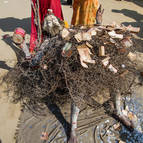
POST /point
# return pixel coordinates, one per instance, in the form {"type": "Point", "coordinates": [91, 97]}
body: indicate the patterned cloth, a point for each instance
{"type": "Point", "coordinates": [55, 5]}
{"type": "Point", "coordinates": [84, 12]}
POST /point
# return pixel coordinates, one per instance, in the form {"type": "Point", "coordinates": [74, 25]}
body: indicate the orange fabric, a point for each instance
{"type": "Point", "coordinates": [84, 12]}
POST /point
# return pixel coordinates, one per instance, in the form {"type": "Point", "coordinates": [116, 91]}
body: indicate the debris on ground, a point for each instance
{"type": "Point", "coordinates": [90, 60]}
{"type": "Point", "coordinates": [44, 136]}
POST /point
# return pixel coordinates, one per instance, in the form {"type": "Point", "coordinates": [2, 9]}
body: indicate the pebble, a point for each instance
{"type": "Point", "coordinates": [123, 66]}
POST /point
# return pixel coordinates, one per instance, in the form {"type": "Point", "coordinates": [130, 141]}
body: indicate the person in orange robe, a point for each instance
{"type": "Point", "coordinates": [84, 12]}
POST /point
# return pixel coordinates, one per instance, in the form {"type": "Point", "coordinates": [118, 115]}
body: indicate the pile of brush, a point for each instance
{"type": "Point", "coordinates": [77, 64]}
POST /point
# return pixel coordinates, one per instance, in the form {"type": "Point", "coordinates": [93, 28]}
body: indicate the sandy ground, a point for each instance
{"type": "Point", "coordinates": [16, 13]}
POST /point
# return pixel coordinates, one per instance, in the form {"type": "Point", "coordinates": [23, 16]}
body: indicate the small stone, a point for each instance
{"type": "Point", "coordinates": [123, 66]}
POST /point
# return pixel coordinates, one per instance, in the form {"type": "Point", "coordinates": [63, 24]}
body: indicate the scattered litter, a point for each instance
{"type": "Point", "coordinates": [112, 69]}
{"type": "Point", "coordinates": [74, 68]}
{"type": "Point", "coordinates": [114, 35]}
{"type": "Point", "coordinates": [117, 126]}
{"type": "Point", "coordinates": [19, 35]}
{"type": "Point", "coordinates": [66, 52]}
{"type": "Point", "coordinates": [127, 43]}
{"type": "Point", "coordinates": [133, 29]}
{"type": "Point", "coordinates": [65, 33]}
{"type": "Point", "coordinates": [112, 40]}
{"type": "Point", "coordinates": [44, 136]}
{"type": "Point", "coordinates": [86, 36]}
{"type": "Point", "coordinates": [92, 31]}
{"type": "Point", "coordinates": [85, 57]}
{"type": "Point", "coordinates": [25, 49]}
{"type": "Point", "coordinates": [106, 61]}
{"type": "Point", "coordinates": [90, 46]}
{"type": "Point", "coordinates": [102, 51]}
{"type": "Point", "coordinates": [78, 37]}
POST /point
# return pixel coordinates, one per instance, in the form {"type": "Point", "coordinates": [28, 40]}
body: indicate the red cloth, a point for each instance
{"type": "Point", "coordinates": [44, 5]}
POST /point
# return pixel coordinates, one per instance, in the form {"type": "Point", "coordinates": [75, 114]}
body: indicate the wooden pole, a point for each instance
{"type": "Point", "coordinates": [39, 24]}
{"type": "Point", "coordinates": [37, 20]}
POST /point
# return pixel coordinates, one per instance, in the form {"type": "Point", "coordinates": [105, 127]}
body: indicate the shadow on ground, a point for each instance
{"type": "Point", "coordinates": [139, 45]}
{"type": "Point", "coordinates": [134, 15]}
{"type": "Point", "coordinates": [59, 116]}
{"type": "Point", "coordinates": [10, 23]}
{"type": "Point", "coordinates": [66, 2]}
{"type": "Point", "coordinates": [3, 65]}
{"type": "Point", "coordinates": [137, 2]}
{"type": "Point", "coordinates": [19, 53]}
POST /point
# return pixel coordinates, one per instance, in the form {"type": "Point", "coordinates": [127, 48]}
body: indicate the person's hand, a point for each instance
{"type": "Point", "coordinates": [99, 14]}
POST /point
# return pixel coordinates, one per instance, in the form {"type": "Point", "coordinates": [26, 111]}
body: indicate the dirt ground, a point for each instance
{"type": "Point", "coordinates": [16, 13]}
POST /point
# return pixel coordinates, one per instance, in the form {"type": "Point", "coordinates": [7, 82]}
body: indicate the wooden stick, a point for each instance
{"type": "Point", "coordinates": [39, 24]}
{"type": "Point", "coordinates": [33, 7]}
{"type": "Point", "coordinates": [37, 18]}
